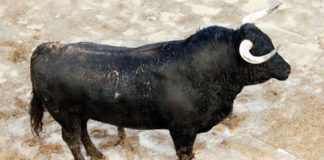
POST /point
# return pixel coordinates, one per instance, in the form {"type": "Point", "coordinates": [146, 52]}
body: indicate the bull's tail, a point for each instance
{"type": "Point", "coordinates": [36, 112]}
{"type": "Point", "coordinates": [36, 109]}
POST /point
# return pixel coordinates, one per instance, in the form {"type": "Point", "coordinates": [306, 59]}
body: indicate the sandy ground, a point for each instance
{"type": "Point", "coordinates": [275, 120]}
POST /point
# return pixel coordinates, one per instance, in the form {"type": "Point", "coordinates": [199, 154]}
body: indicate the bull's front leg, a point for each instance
{"type": "Point", "coordinates": [183, 140]}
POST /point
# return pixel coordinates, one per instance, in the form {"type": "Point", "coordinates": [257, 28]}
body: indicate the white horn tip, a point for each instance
{"type": "Point", "coordinates": [275, 7]}
{"type": "Point", "coordinates": [277, 48]}
{"type": "Point", "coordinates": [250, 18]}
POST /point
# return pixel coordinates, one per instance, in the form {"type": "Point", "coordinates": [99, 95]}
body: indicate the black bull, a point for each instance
{"type": "Point", "coordinates": [186, 86]}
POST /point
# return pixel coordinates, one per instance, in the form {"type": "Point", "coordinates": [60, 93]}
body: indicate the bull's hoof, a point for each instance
{"type": "Point", "coordinates": [187, 157]}
{"type": "Point", "coordinates": [97, 156]}
{"type": "Point", "coordinates": [120, 142]}
{"type": "Point", "coordinates": [102, 157]}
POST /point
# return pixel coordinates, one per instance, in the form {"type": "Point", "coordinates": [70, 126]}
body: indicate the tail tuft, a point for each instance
{"type": "Point", "coordinates": [36, 112]}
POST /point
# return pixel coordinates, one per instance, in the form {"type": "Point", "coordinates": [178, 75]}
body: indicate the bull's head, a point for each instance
{"type": "Point", "coordinates": [257, 51]}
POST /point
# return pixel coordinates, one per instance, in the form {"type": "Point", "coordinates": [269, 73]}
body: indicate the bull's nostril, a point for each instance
{"type": "Point", "coordinates": [289, 71]}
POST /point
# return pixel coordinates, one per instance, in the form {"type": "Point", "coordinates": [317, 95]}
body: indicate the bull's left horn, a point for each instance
{"type": "Point", "coordinates": [245, 53]}
{"type": "Point", "coordinates": [250, 18]}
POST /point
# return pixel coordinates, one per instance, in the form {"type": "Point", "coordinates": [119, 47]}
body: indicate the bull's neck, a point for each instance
{"type": "Point", "coordinates": [215, 75]}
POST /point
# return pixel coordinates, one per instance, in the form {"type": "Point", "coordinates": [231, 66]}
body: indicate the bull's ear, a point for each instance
{"type": "Point", "coordinates": [246, 29]}
{"type": "Point", "coordinates": [248, 26]}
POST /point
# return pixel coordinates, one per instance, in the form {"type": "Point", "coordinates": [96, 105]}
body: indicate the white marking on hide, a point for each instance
{"type": "Point", "coordinates": [115, 72]}
{"type": "Point", "coordinates": [116, 95]}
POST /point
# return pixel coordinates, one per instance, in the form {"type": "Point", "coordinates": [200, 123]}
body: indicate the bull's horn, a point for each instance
{"type": "Point", "coordinates": [250, 18]}
{"type": "Point", "coordinates": [245, 53]}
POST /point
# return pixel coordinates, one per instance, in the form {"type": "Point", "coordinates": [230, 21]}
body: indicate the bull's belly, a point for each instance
{"type": "Point", "coordinates": [131, 123]}
{"type": "Point", "coordinates": [129, 116]}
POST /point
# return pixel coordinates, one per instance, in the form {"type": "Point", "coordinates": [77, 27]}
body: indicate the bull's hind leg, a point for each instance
{"type": "Point", "coordinates": [121, 136]}
{"type": "Point", "coordinates": [92, 151]}
{"type": "Point", "coordinates": [71, 133]}
{"type": "Point", "coordinates": [71, 128]}
{"type": "Point", "coordinates": [183, 140]}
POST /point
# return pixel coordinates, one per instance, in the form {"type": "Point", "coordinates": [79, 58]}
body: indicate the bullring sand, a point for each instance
{"type": "Point", "coordinates": [273, 121]}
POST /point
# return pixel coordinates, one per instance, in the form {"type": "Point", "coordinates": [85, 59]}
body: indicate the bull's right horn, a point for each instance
{"type": "Point", "coordinates": [250, 18]}
{"type": "Point", "coordinates": [245, 53]}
